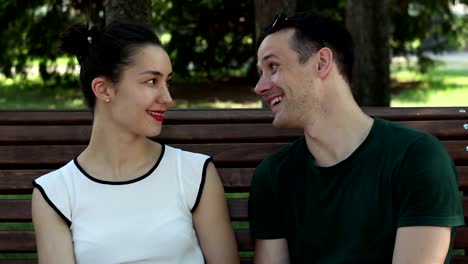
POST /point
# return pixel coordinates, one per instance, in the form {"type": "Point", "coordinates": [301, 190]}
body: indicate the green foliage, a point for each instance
{"type": "Point", "coordinates": [30, 33]}
{"type": "Point", "coordinates": [419, 26]}
{"type": "Point", "coordinates": [333, 8]}
{"type": "Point", "coordinates": [209, 38]}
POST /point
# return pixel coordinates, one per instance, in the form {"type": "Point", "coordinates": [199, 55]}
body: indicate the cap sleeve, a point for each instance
{"type": "Point", "coordinates": [54, 190]}
{"type": "Point", "coordinates": [192, 169]}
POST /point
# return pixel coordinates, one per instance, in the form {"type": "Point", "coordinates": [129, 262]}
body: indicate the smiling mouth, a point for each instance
{"type": "Point", "coordinates": [157, 115]}
{"type": "Point", "coordinates": [276, 101]}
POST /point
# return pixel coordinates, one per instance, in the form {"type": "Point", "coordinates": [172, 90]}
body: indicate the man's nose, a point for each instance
{"type": "Point", "coordinates": [263, 85]}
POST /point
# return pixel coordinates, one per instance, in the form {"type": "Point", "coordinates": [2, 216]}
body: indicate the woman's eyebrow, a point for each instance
{"type": "Point", "coordinates": [158, 73]}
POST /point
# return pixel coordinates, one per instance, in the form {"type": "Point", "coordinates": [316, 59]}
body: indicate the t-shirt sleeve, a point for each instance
{"type": "Point", "coordinates": [53, 188]}
{"type": "Point", "coordinates": [192, 169]}
{"type": "Point", "coordinates": [427, 188]}
{"type": "Point", "coordinates": [266, 220]}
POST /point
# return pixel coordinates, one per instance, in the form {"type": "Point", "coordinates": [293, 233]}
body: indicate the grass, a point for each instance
{"type": "Point", "coordinates": [446, 85]}
{"type": "Point", "coordinates": [32, 93]}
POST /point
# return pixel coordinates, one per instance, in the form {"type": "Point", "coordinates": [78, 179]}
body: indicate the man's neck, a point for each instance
{"type": "Point", "coordinates": [336, 135]}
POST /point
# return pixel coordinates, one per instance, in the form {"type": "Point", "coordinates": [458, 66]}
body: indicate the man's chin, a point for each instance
{"type": "Point", "coordinates": [279, 122]}
{"type": "Point", "coordinates": [282, 122]}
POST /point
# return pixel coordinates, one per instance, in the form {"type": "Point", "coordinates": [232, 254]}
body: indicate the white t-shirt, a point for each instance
{"type": "Point", "coordinates": [145, 220]}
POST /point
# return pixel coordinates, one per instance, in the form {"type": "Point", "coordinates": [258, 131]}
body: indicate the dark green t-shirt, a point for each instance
{"type": "Point", "coordinates": [350, 212]}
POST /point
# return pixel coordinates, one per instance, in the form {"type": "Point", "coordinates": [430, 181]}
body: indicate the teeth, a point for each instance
{"type": "Point", "coordinates": [275, 100]}
{"type": "Point", "coordinates": [154, 113]}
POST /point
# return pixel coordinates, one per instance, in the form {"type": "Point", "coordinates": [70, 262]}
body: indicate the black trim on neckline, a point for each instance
{"type": "Point", "coordinates": [202, 184]}
{"type": "Point", "coordinates": [163, 148]}
{"type": "Point", "coordinates": [44, 194]}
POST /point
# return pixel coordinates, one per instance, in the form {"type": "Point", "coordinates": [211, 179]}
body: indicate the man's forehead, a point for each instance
{"type": "Point", "coordinates": [274, 43]}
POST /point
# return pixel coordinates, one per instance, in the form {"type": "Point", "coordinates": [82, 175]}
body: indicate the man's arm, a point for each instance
{"type": "Point", "coordinates": [271, 251]}
{"type": "Point", "coordinates": [421, 244]}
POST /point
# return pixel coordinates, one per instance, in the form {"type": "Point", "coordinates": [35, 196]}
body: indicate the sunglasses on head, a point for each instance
{"type": "Point", "coordinates": [282, 21]}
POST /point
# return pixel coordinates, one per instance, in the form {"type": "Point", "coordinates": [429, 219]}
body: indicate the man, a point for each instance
{"type": "Point", "coordinates": [354, 189]}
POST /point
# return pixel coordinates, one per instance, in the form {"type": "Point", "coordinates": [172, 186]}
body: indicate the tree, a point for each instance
{"type": "Point", "coordinates": [369, 24]}
{"type": "Point", "coordinates": [138, 11]}
{"type": "Point", "coordinates": [208, 40]}
{"type": "Point", "coordinates": [421, 26]}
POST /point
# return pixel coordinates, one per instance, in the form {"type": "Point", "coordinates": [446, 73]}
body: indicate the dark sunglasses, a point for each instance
{"type": "Point", "coordinates": [279, 19]}
{"type": "Point", "coordinates": [282, 21]}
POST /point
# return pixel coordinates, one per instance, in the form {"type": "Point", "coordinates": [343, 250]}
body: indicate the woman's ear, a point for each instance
{"type": "Point", "coordinates": [325, 62]}
{"type": "Point", "coordinates": [102, 89]}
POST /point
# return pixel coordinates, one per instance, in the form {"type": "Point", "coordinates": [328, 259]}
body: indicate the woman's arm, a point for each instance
{"type": "Point", "coordinates": [53, 236]}
{"type": "Point", "coordinates": [212, 223]}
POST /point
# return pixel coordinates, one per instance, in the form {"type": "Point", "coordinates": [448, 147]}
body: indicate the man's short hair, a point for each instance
{"type": "Point", "coordinates": [313, 32]}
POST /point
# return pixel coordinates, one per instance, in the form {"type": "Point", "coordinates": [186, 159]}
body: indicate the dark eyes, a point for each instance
{"type": "Point", "coordinates": [154, 81]}
{"type": "Point", "coordinates": [273, 67]}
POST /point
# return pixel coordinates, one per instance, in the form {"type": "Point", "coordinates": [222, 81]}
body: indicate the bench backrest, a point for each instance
{"type": "Point", "coordinates": [33, 143]}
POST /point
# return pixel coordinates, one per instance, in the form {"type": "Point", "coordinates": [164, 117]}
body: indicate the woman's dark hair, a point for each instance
{"type": "Point", "coordinates": [104, 52]}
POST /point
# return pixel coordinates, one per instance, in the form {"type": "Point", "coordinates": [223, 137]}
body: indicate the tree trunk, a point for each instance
{"type": "Point", "coordinates": [369, 24]}
{"type": "Point", "coordinates": [266, 10]}
{"type": "Point", "coordinates": [136, 11]}
{"type": "Point", "coordinates": [93, 9]}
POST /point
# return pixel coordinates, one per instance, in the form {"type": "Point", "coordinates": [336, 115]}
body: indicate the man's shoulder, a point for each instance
{"type": "Point", "coordinates": [403, 135]}
{"type": "Point", "coordinates": [286, 153]}
{"type": "Point", "coordinates": [281, 159]}
{"type": "Point", "coordinates": [413, 146]}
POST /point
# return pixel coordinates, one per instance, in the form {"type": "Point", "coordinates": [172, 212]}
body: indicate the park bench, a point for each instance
{"type": "Point", "coordinates": [33, 143]}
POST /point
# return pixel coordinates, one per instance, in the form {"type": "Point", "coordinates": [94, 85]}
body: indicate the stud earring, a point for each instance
{"type": "Point", "coordinates": [107, 100]}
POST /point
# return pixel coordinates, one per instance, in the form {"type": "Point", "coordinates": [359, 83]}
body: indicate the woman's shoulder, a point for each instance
{"type": "Point", "coordinates": [58, 175]}
{"type": "Point", "coordinates": [185, 155]}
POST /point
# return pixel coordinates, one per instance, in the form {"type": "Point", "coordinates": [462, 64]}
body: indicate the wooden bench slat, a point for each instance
{"type": "Point", "coordinates": [19, 181]}
{"type": "Point", "coordinates": [225, 155]}
{"type": "Point", "coordinates": [20, 210]}
{"type": "Point", "coordinates": [18, 261]}
{"type": "Point", "coordinates": [190, 116]}
{"type": "Point", "coordinates": [463, 177]}
{"type": "Point", "coordinates": [418, 113]}
{"type": "Point", "coordinates": [234, 179]}
{"type": "Point", "coordinates": [74, 135]}
{"type": "Point", "coordinates": [24, 241]}
{"type": "Point", "coordinates": [17, 241]}
{"type": "Point", "coordinates": [231, 155]}
{"type": "Point", "coordinates": [461, 238]}
{"type": "Point", "coordinates": [34, 261]}
{"type": "Point", "coordinates": [459, 260]}
{"type": "Point", "coordinates": [15, 210]}
{"type": "Point", "coordinates": [242, 261]}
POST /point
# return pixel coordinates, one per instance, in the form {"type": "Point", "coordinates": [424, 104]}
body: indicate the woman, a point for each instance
{"type": "Point", "coordinates": [125, 198]}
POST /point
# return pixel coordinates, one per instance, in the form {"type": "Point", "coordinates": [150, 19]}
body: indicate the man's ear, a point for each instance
{"type": "Point", "coordinates": [102, 89]}
{"type": "Point", "coordinates": [325, 61]}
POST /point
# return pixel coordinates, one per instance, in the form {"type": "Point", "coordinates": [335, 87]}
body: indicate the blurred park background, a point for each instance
{"type": "Point", "coordinates": [409, 52]}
